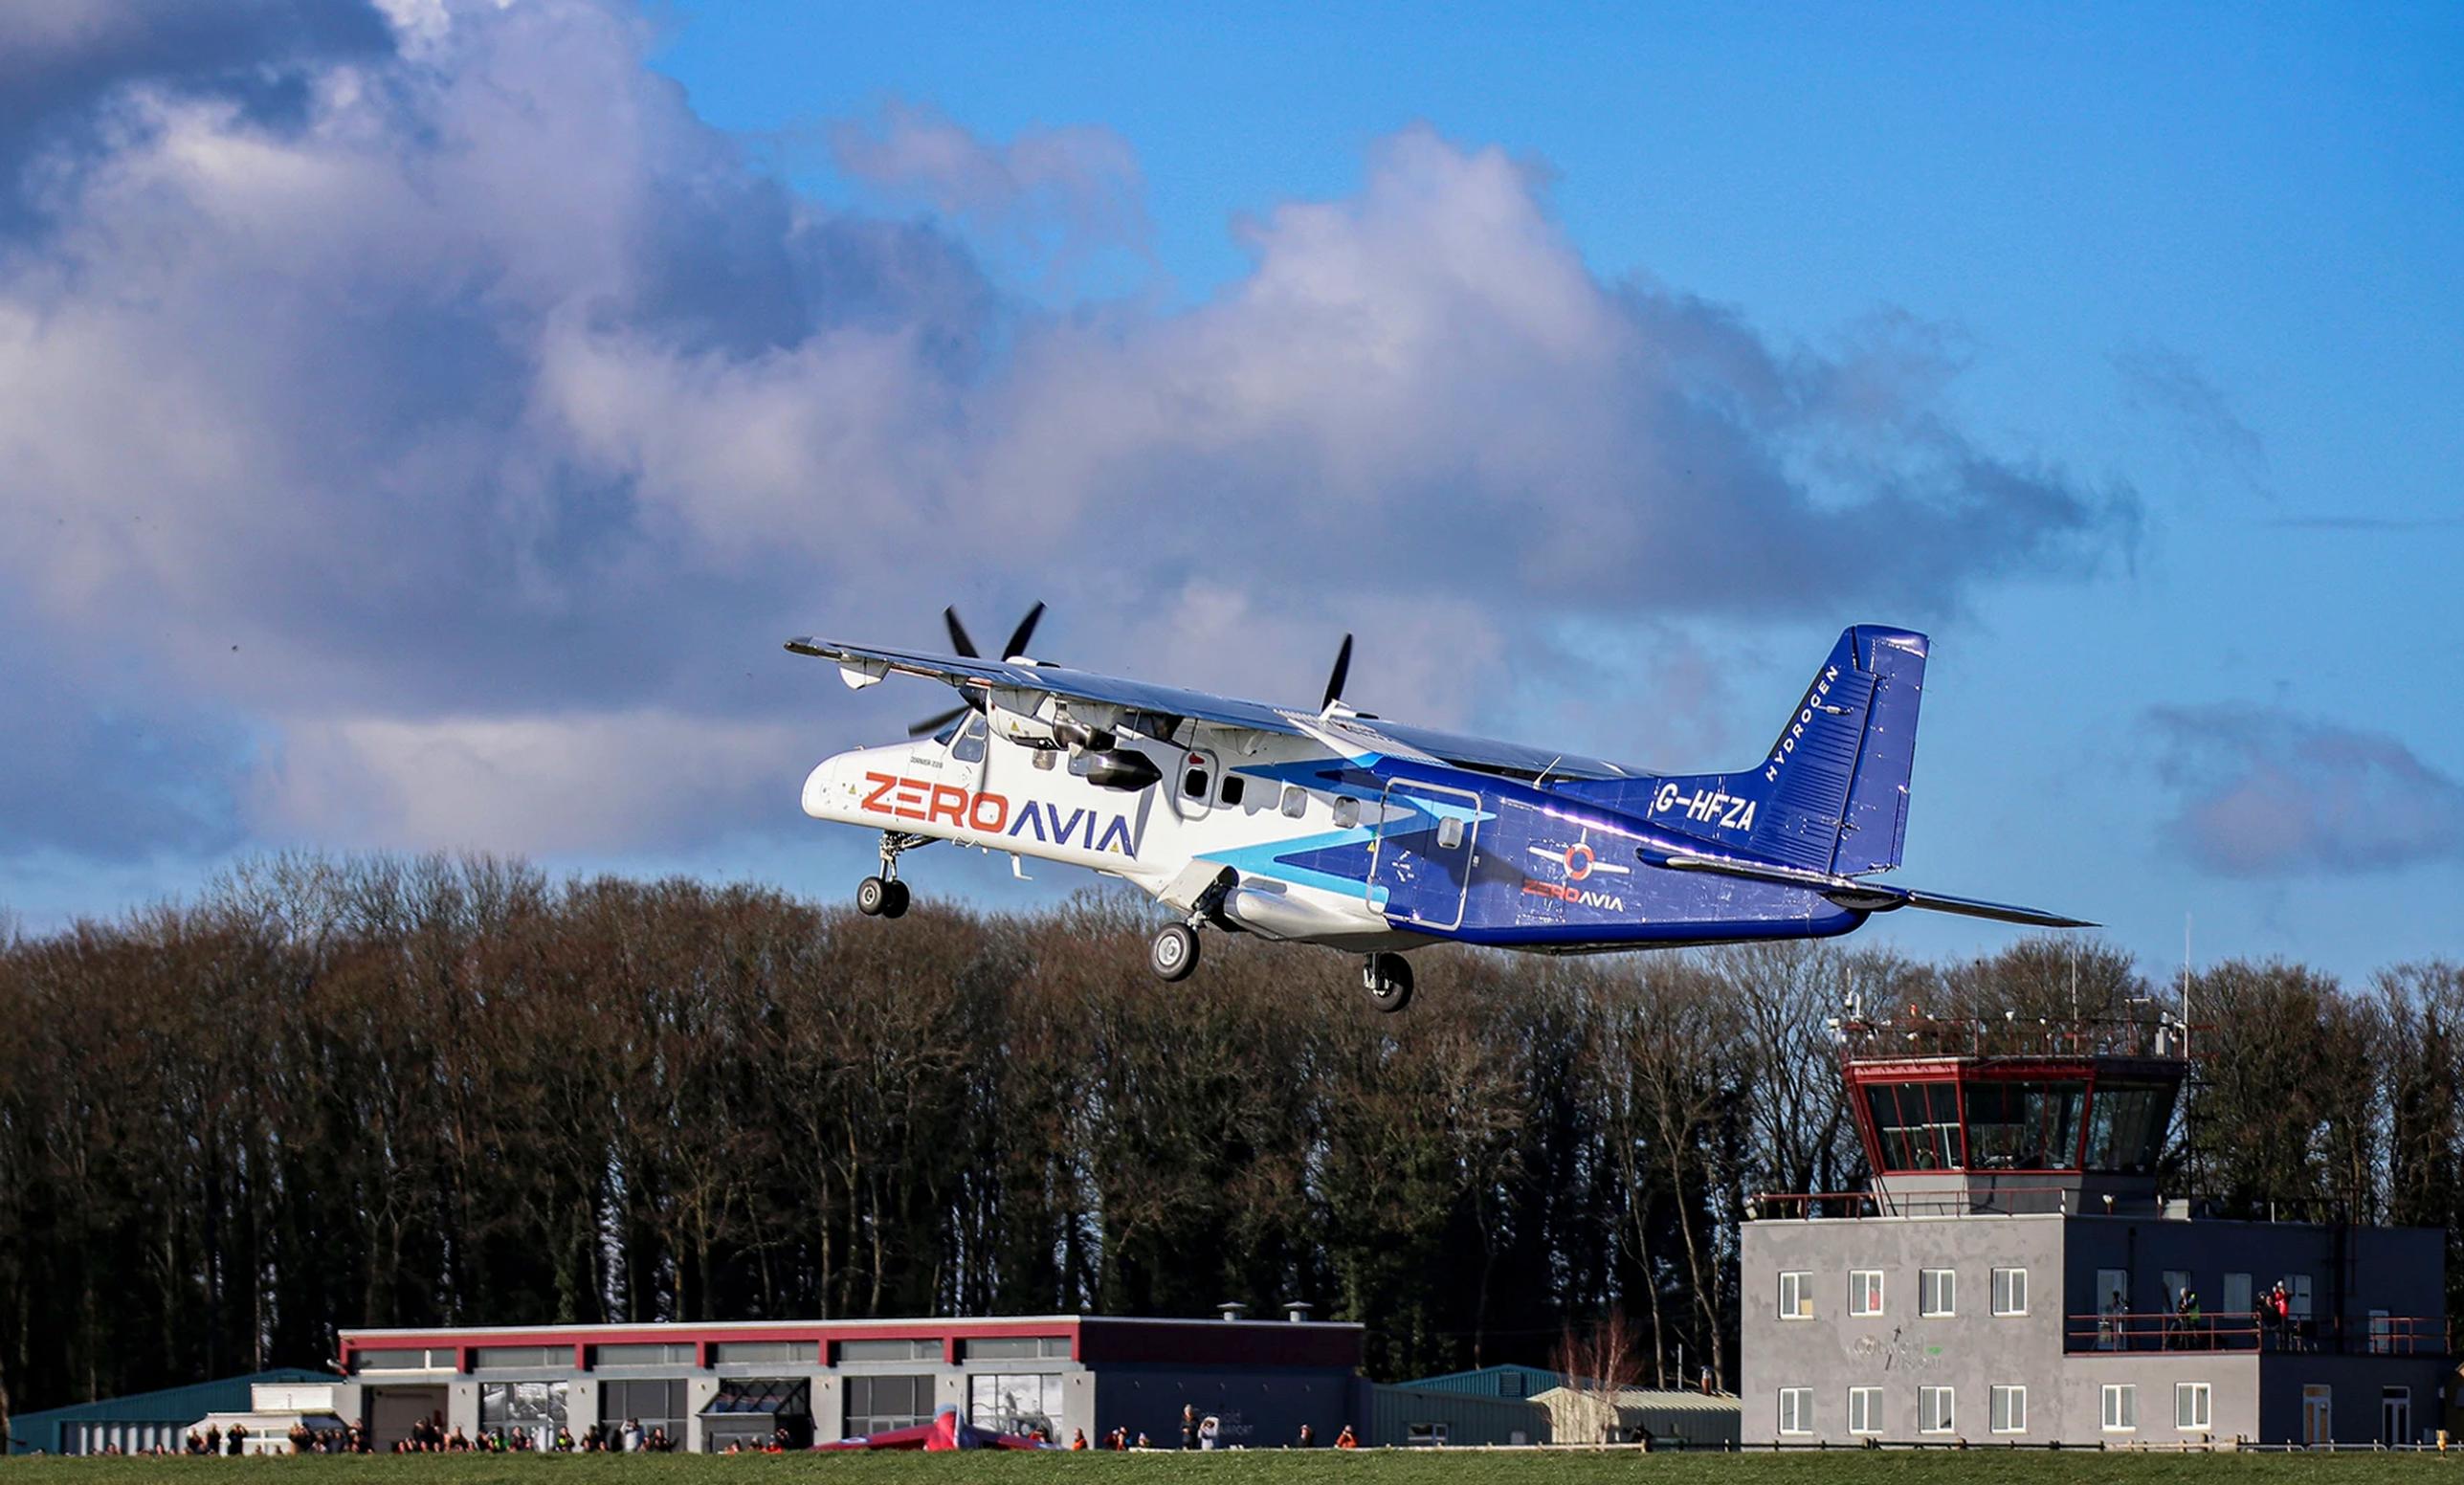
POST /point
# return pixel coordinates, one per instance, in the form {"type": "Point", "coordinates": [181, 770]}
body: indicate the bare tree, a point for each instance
{"type": "Point", "coordinates": [1598, 1364]}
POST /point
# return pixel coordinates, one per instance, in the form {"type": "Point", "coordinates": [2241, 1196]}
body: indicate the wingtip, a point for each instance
{"type": "Point", "coordinates": [803, 644]}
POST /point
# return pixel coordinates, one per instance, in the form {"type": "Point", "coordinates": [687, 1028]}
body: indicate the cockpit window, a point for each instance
{"type": "Point", "coordinates": [966, 745]}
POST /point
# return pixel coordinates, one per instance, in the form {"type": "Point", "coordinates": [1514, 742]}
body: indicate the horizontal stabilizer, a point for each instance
{"type": "Point", "coordinates": [1858, 896]}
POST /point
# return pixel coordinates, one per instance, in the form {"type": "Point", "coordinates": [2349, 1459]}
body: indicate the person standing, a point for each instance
{"type": "Point", "coordinates": [1210, 1431]}
{"type": "Point", "coordinates": [1188, 1426]}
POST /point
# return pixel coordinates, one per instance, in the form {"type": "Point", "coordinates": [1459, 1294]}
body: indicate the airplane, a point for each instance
{"type": "Point", "coordinates": [1336, 827]}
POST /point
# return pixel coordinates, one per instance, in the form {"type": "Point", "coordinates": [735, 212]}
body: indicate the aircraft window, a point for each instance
{"type": "Point", "coordinates": [1296, 801]}
{"type": "Point", "coordinates": [968, 748]}
{"type": "Point", "coordinates": [1449, 834]}
{"type": "Point", "coordinates": [1234, 787]}
{"type": "Point", "coordinates": [1195, 783]}
{"type": "Point", "coordinates": [1348, 813]}
{"type": "Point", "coordinates": [1044, 757]}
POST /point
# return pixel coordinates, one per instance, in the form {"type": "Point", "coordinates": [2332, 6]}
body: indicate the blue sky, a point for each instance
{"type": "Point", "coordinates": [429, 421]}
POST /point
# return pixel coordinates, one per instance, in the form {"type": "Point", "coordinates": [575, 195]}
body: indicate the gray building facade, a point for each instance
{"type": "Point", "coordinates": [2014, 1276]}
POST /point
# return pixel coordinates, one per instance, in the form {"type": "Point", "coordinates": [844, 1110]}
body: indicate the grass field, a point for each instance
{"type": "Point", "coordinates": [1367, 1466]}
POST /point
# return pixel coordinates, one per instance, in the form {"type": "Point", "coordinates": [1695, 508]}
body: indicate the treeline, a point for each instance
{"type": "Point", "coordinates": [385, 1092]}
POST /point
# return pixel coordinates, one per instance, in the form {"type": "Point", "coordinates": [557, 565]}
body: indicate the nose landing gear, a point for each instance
{"type": "Point", "coordinates": [1387, 978]}
{"type": "Point", "coordinates": [885, 896]}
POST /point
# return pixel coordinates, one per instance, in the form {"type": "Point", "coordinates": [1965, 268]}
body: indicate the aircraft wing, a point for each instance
{"type": "Point", "coordinates": [871, 662]}
{"type": "Point", "coordinates": [1857, 893]}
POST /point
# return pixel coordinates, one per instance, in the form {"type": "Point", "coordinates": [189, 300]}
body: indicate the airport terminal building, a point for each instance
{"type": "Point", "coordinates": [710, 1385]}
{"type": "Point", "coordinates": [2014, 1275]}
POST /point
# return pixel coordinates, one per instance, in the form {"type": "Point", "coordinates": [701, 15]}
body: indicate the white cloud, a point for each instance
{"type": "Point", "coordinates": [596, 782]}
{"type": "Point", "coordinates": [504, 419]}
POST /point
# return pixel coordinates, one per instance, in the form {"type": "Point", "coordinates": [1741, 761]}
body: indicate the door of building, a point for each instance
{"type": "Point", "coordinates": [2317, 1413]}
{"type": "Point", "coordinates": [2395, 1415]}
{"type": "Point", "coordinates": [2112, 1304]}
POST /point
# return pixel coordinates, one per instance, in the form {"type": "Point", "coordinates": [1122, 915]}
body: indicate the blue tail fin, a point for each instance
{"type": "Point", "coordinates": [1831, 793]}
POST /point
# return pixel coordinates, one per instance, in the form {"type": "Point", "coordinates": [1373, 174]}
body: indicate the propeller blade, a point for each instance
{"type": "Point", "coordinates": [1024, 632]}
{"type": "Point", "coordinates": [958, 633]}
{"type": "Point", "coordinates": [932, 724]}
{"type": "Point", "coordinates": [1342, 673]}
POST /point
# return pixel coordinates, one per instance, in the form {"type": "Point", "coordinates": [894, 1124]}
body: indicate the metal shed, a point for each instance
{"type": "Point", "coordinates": [1676, 1418]}
{"type": "Point", "coordinates": [140, 1420]}
{"type": "Point", "coordinates": [1502, 1380]}
{"type": "Point", "coordinates": [1412, 1416]}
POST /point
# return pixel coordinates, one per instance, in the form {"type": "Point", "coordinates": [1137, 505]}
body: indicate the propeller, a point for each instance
{"type": "Point", "coordinates": [959, 641]}
{"type": "Point", "coordinates": [1335, 682]}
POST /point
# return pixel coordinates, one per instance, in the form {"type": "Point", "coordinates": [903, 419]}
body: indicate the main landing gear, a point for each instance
{"type": "Point", "coordinates": [885, 896]}
{"type": "Point", "coordinates": [1173, 952]}
{"type": "Point", "coordinates": [1387, 978]}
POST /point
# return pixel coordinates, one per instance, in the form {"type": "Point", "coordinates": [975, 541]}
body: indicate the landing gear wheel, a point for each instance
{"type": "Point", "coordinates": [1387, 978]}
{"type": "Point", "coordinates": [893, 900]}
{"type": "Point", "coordinates": [873, 897]}
{"type": "Point", "coordinates": [1173, 953]}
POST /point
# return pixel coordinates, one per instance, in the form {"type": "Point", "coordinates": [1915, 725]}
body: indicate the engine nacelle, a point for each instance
{"type": "Point", "coordinates": [1122, 769]}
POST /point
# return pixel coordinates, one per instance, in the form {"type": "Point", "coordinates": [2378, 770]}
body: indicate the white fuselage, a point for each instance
{"type": "Point", "coordinates": [1210, 812]}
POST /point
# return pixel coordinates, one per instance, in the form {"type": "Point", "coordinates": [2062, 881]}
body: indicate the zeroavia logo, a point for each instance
{"type": "Point", "coordinates": [1815, 701]}
{"type": "Point", "coordinates": [1580, 897]}
{"type": "Point", "coordinates": [991, 814]}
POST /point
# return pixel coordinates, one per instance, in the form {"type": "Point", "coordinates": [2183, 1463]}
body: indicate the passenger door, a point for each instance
{"type": "Point", "coordinates": [1422, 868]}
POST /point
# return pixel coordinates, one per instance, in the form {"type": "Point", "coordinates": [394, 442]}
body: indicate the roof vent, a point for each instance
{"type": "Point", "coordinates": [1232, 1309]}
{"type": "Point", "coordinates": [1297, 1311]}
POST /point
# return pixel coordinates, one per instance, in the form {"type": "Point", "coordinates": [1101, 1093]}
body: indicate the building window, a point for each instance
{"type": "Point", "coordinates": [2120, 1407]}
{"type": "Point", "coordinates": [2236, 1302]}
{"type": "Point", "coordinates": [1796, 1295]}
{"type": "Point", "coordinates": [889, 1351]}
{"type": "Point", "coordinates": [2190, 1406]}
{"type": "Point", "coordinates": [648, 1404]}
{"type": "Point", "coordinates": [2126, 1127]}
{"type": "Point", "coordinates": [1865, 1291]}
{"type": "Point", "coordinates": [653, 1353]}
{"type": "Point", "coordinates": [533, 1407]}
{"type": "Point", "coordinates": [1933, 1410]}
{"type": "Point", "coordinates": [1937, 1292]}
{"type": "Point", "coordinates": [2009, 1410]}
{"type": "Point", "coordinates": [1424, 1435]}
{"type": "Point", "coordinates": [2296, 1296]}
{"type": "Point", "coordinates": [1918, 1124]}
{"type": "Point", "coordinates": [1014, 1402]}
{"type": "Point", "coordinates": [1796, 1409]}
{"type": "Point", "coordinates": [440, 1359]}
{"type": "Point", "coordinates": [2381, 1333]}
{"type": "Point", "coordinates": [764, 1353]}
{"type": "Point", "coordinates": [750, 1411]}
{"type": "Point", "coordinates": [876, 1404]}
{"type": "Point", "coordinates": [2011, 1291]}
{"type": "Point", "coordinates": [2024, 1125]}
{"type": "Point", "coordinates": [1010, 1348]}
{"type": "Point", "coordinates": [1865, 1410]}
{"type": "Point", "coordinates": [523, 1358]}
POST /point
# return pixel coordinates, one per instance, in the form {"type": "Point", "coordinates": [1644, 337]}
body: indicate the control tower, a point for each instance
{"type": "Point", "coordinates": [2017, 1270]}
